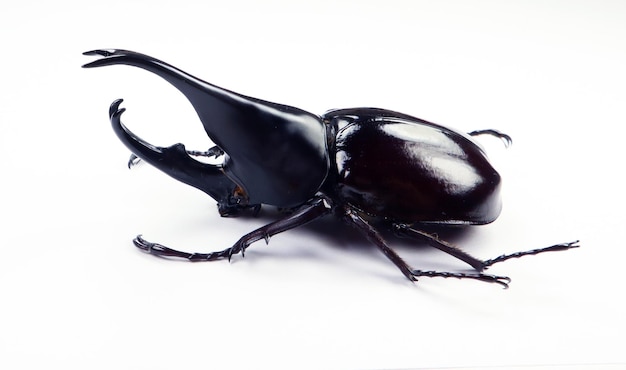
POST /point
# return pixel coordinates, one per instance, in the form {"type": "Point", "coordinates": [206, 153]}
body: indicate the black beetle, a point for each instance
{"type": "Point", "coordinates": [367, 166]}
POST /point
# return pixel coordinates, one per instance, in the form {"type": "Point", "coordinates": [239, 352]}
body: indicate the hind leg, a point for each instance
{"type": "Point", "coordinates": [504, 137]}
{"type": "Point", "coordinates": [212, 152]}
{"type": "Point", "coordinates": [404, 230]}
{"type": "Point", "coordinates": [353, 218]}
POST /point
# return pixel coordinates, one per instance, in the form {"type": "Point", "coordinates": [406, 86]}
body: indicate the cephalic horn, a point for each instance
{"type": "Point", "coordinates": [175, 161]}
{"type": "Point", "coordinates": [277, 154]}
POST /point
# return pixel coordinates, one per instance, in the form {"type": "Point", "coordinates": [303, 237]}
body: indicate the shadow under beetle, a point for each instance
{"type": "Point", "coordinates": [367, 166]}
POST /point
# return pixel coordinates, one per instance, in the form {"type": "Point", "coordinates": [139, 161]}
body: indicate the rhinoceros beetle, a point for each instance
{"type": "Point", "coordinates": [368, 166]}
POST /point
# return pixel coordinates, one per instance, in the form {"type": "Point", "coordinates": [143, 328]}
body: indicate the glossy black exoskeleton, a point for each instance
{"type": "Point", "coordinates": [367, 166]}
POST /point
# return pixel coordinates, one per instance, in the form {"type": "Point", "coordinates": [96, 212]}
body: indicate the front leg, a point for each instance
{"type": "Point", "coordinates": [312, 210]}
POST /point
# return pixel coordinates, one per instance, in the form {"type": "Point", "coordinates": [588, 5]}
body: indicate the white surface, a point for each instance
{"type": "Point", "coordinates": [75, 293]}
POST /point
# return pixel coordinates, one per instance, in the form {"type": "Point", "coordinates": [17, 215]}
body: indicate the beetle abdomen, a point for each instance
{"type": "Point", "coordinates": [399, 167]}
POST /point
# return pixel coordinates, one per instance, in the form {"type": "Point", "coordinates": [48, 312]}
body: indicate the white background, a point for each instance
{"type": "Point", "coordinates": [75, 293]}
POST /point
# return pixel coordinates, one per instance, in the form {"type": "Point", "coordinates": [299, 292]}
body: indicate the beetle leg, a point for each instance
{"type": "Point", "coordinates": [215, 152]}
{"type": "Point", "coordinates": [502, 280]}
{"type": "Point", "coordinates": [505, 138]}
{"type": "Point", "coordinates": [353, 218]}
{"type": "Point", "coordinates": [314, 209]}
{"type": "Point", "coordinates": [404, 230]}
{"type": "Point", "coordinates": [133, 160]}
{"type": "Point", "coordinates": [374, 236]}
{"type": "Point", "coordinates": [552, 248]}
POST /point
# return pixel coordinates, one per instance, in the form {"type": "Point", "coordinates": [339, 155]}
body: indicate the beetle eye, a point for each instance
{"type": "Point", "coordinates": [239, 193]}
